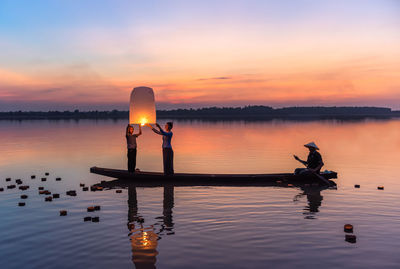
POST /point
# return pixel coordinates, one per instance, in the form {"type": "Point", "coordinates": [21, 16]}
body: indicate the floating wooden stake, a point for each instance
{"type": "Point", "coordinates": [380, 187]}
{"type": "Point", "coordinates": [90, 209]}
{"type": "Point", "coordinates": [23, 188]}
{"type": "Point", "coordinates": [58, 178]}
{"type": "Point", "coordinates": [48, 199]}
{"type": "Point", "coordinates": [85, 188]}
{"type": "Point", "coordinates": [33, 176]}
{"type": "Point", "coordinates": [44, 179]}
{"type": "Point", "coordinates": [71, 193]}
{"type": "Point", "coordinates": [24, 196]}
{"type": "Point", "coordinates": [357, 186]}
{"type": "Point", "coordinates": [46, 174]}
{"type": "Point", "coordinates": [1, 189]}
{"type": "Point", "coordinates": [95, 219]}
{"type": "Point", "coordinates": [45, 192]}
{"type": "Point", "coordinates": [21, 204]}
{"type": "Point", "coordinates": [96, 188]}
{"type": "Point", "coordinates": [118, 191]}
{"type": "Point", "coordinates": [41, 188]}
{"type": "Point", "coordinates": [87, 219]}
{"type": "Point", "coordinates": [348, 228]}
{"type": "Point", "coordinates": [97, 207]}
{"type": "Point", "coordinates": [56, 195]}
{"type": "Point", "coordinates": [63, 212]}
{"type": "Point", "coordinates": [8, 179]}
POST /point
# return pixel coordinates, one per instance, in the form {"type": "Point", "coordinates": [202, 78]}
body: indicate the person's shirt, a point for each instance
{"type": "Point", "coordinates": [167, 137]}
{"type": "Point", "coordinates": [131, 141]}
{"type": "Point", "coordinates": [314, 160]}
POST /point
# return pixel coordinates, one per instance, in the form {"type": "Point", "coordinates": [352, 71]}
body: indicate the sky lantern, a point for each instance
{"type": "Point", "coordinates": [142, 108]}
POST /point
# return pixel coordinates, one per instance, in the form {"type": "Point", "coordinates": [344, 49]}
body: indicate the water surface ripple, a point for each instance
{"type": "Point", "coordinates": [201, 227]}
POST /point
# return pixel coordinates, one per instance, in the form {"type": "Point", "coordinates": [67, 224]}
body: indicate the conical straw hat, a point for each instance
{"type": "Point", "coordinates": [311, 145]}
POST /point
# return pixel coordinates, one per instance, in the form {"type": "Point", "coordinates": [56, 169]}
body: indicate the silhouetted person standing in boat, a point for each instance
{"type": "Point", "coordinates": [132, 147]}
{"type": "Point", "coordinates": [314, 161]}
{"type": "Point", "coordinates": [168, 153]}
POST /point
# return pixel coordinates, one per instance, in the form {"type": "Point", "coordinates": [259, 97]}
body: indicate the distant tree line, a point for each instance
{"type": "Point", "coordinates": [247, 112]}
{"type": "Point", "coordinates": [266, 111]}
{"type": "Point", "coordinates": [76, 114]}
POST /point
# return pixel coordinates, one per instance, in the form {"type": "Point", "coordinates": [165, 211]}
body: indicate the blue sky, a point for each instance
{"type": "Point", "coordinates": [89, 54]}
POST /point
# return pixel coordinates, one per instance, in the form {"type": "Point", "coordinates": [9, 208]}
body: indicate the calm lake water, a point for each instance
{"type": "Point", "coordinates": [201, 227]}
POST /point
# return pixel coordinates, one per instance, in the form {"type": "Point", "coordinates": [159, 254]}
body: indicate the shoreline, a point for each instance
{"type": "Point", "coordinates": [219, 118]}
{"type": "Point", "coordinates": [251, 113]}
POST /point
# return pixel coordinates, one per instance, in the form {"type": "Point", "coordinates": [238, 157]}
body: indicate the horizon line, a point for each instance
{"type": "Point", "coordinates": [199, 108]}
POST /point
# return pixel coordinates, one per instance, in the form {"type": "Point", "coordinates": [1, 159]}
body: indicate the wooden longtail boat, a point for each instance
{"type": "Point", "coordinates": [140, 178]}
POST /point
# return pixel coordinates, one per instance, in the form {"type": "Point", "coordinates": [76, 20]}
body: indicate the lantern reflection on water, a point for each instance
{"type": "Point", "coordinates": [142, 108]}
{"type": "Point", "coordinates": [144, 238]}
{"type": "Point", "coordinates": [144, 247]}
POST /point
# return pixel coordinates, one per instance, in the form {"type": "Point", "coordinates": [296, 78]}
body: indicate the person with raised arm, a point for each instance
{"type": "Point", "coordinates": [168, 153]}
{"type": "Point", "coordinates": [132, 146]}
{"type": "Point", "coordinates": [314, 161]}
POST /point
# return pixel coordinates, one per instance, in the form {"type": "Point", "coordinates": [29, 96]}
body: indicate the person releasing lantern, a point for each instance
{"type": "Point", "coordinates": [132, 146]}
{"type": "Point", "coordinates": [168, 153]}
{"type": "Point", "coordinates": [142, 110]}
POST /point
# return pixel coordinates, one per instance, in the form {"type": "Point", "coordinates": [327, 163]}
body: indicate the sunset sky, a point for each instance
{"type": "Point", "coordinates": [90, 54]}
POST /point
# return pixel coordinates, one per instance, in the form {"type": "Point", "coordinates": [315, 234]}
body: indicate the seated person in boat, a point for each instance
{"type": "Point", "coordinates": [132, 147]}
{"type": "Point", "coordinates": [168, 153]}
{"type": "Point", "coordinates": [314, 161]}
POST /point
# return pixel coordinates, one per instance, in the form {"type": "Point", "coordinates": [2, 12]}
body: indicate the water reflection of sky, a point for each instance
{"type": "Point", "coordinates": [201, 226]}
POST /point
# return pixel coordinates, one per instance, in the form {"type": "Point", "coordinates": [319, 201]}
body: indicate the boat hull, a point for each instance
{"type": "Point", "coordinates": [186, 179]}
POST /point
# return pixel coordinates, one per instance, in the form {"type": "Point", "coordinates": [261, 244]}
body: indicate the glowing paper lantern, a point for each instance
{"type": "Point", "coordinates": [142, 108]}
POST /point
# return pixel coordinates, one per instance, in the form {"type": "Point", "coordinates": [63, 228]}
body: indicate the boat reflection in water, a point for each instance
{"type": "Point", "coordinates": [144, 238]}
{"type": "Point", "coordinates": [314, 200]}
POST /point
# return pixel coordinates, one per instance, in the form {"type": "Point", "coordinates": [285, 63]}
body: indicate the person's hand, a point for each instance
{"type": "Point", "coordinates": [296, 158]}
{"type": "Point", "coordinates": [158, 125]}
